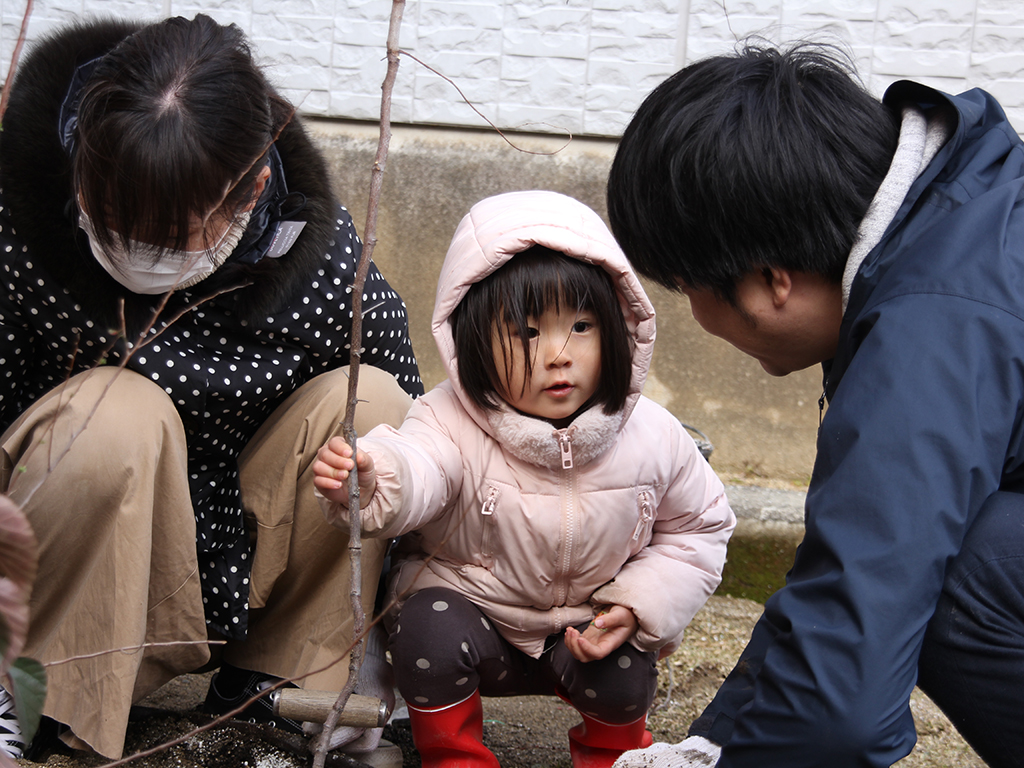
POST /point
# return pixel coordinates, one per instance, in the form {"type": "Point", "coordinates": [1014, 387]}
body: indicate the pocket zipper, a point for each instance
{"type": "Point", "coordinates": [646, 513]}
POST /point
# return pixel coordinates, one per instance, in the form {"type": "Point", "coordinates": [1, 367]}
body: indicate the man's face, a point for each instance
{"type": "Point", "coordinates": [787, 321]}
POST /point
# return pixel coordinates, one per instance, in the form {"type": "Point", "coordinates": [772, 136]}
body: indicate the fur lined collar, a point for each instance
{"type": "Point", "coordinates": [535, 441]}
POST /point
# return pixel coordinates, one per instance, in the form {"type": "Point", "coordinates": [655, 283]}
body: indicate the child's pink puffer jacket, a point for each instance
{"type": "Point", "coordinates": [634, 517]}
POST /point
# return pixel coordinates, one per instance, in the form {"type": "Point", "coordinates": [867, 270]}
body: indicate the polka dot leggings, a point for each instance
{"type": "Point", "coordinates": [444, 648]}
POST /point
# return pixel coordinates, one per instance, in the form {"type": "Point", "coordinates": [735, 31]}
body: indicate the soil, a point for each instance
{"type": "Point", "coordinates": [523, 732]}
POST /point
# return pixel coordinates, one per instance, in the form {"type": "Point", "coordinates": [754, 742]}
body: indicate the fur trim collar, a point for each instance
{"type": "Point", "coordinates": [535, 441]}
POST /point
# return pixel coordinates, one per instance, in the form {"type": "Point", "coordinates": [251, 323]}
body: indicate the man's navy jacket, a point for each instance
{"type": "Point", "coordinates": [926, 394]}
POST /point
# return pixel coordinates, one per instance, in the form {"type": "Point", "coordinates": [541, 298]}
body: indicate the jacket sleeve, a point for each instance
{"type": "Point", "coordinates": [419, 469]}
{"type": "Point", "coordinates": [914, 441]}
{"type": "Point", "coordinates": [668, 581]}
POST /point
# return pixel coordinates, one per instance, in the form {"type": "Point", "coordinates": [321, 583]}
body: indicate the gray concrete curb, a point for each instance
{"type": "Point", "coordinates": [767, 505]}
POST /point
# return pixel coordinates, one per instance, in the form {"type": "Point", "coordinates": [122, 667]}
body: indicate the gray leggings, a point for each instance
{"type": "Point", "coordinates": [443, 648]}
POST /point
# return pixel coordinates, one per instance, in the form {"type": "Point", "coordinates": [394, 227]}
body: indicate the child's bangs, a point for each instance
{"type": "Point", "coordinates": [540, 279]}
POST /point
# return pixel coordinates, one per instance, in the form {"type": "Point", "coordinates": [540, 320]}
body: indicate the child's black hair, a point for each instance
{"type": "Point", "coordinates": [531, 282]}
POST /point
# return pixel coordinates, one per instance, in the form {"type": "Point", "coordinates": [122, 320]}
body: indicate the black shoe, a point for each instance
{"type": "Point", "coordinates": [231, 687]}
{"type": "Point", "coordinates": [47, 741]}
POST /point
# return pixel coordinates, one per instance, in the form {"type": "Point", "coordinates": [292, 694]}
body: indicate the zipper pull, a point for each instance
{"type": "Point", "coordinates": [490, 503]}
{"type": "Point", "coordinates": [646, 514]}
{"type": "Point", "coordinates": [565, 444]}
{"type": "Point", "coordinates": [821, 408]}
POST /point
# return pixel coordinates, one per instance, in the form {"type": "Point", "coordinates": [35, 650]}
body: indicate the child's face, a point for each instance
{"type": "Point", "coordinates": [566, 351]}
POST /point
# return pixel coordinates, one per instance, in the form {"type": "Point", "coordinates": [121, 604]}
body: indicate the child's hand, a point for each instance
{"type": "Point", "coordinates": [610, 628]}
{"type": "Point", "coordinates": [331, 469]}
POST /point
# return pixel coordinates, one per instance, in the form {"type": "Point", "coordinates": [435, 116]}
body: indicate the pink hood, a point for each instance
{"type": "Point", "coordinates": [497, 228]}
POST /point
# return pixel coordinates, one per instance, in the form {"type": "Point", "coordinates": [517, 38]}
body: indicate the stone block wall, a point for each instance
{"type": "Point", "coordinates": [579, 66]}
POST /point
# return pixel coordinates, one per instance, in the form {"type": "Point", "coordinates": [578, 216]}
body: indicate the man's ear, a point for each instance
{"type": "Point", "coordinates": [779, 282]}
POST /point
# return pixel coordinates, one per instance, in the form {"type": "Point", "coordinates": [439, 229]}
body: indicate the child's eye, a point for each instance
{"type": "Point", "coordinates": [582, 326]}
{"type": "Point", "coordinates": [532, 333]}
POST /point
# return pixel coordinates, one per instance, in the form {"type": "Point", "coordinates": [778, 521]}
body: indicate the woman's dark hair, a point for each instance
{"type": "Point", "coordinates": [530, 283]}
{"type": "Point", "coordinates": [764, 158]}
{"type": "Point", "coordinates": [173, 123]}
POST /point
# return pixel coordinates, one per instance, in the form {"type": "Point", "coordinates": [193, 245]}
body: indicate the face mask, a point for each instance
{"type": "Point", "coordinates": [144, 268]}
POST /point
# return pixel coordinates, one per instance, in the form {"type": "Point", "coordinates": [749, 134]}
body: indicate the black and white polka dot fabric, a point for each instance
{"type": "Point", "coordinates": [224, 374]}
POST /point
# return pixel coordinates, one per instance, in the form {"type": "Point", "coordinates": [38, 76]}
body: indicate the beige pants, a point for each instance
{"type": "Point", "coordinates": [99, 467]}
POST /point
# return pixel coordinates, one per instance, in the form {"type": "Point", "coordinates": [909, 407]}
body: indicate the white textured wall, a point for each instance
{"type": "Point", "coordinates": [576, 65]}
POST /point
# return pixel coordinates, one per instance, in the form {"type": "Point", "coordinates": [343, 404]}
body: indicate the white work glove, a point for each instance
{"type": "Point", "coordinates": [694, 752]}
{"type": "Point", "coordinates": [376, 678]}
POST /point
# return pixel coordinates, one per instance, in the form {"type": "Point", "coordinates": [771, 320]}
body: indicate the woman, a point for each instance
{"type": "Point", "coordinates": [163, 212]}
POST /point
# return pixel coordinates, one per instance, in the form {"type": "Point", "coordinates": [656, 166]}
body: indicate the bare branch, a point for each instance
{"type": "Point", "coordinates": [142, 340]}
{"type": "Point", "coordinates": [132, 649]}
{"type": "Point", "coordinates": [482, 115]}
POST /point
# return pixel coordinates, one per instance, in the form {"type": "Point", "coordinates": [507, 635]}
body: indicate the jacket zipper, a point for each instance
{"type": "Point", "coordinates": [565, 445]}
{"type": "Point", "coordinates": [568, 512]}
{"type": "Point", "coordinates": [487, 511]}
{"type": "Point", "coordinates": [490, 502]}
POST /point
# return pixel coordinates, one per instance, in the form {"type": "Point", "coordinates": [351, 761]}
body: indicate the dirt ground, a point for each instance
{"type": "Point", "coordinates": [524, 732]}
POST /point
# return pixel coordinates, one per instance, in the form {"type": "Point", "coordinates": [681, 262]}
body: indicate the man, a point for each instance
{"type": "Point", "coordinates": [807, 222]}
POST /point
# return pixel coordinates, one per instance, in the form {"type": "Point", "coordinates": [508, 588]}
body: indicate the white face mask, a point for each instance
{"type": "Point", "coordinates": [139, 270]}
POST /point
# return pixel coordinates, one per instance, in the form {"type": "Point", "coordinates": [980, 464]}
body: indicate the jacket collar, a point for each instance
{"type": "Point", "coordinates": [921, 138]}
{"type": "Point", "coordinates": [535, 441]}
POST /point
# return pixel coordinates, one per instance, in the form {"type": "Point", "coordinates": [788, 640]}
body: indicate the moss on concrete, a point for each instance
{"type": "Point", "coordinates": [757, 564]}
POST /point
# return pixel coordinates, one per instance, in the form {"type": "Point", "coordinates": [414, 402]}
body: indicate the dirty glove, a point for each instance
{"type": "Point", "coordinates": [375, 679]}
{"type": "Point", "coordinates": [694, 752]}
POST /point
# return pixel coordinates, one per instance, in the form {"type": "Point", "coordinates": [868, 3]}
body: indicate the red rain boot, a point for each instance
{"type": "Point", "coordinates": [594, 744]}
{"type": "Point", "coordinates": [452, 736]}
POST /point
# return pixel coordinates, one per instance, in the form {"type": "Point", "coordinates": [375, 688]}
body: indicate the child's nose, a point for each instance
{"type": "Point", "coordinates": [558, 354]}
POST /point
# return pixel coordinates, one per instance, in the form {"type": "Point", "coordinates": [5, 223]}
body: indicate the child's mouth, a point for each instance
{"type": "Point", "coordinates": [559, 390]}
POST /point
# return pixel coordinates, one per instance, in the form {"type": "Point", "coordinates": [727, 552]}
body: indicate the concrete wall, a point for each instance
{"type": "Point", "coordinates": [759, 425]}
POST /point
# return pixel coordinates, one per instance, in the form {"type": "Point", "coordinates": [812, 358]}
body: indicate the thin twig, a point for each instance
{"type": "Point", "coordinates": [132, 649]}
{"type": "Point", "coordinates": [482, 115]}
{"type": "Point", "coordinates": [219, 720]}
{"type": "Point", "coordinates": [668, 693]}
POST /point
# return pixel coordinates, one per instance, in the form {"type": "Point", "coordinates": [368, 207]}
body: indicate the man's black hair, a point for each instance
{"type": "Point", "coordinates": [764, 158]}
{"type": "Point", "coordinates": [530, 283]}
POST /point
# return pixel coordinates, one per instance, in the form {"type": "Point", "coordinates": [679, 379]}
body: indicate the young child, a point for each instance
{"type": "Point", "coordinates": [565, 529]}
